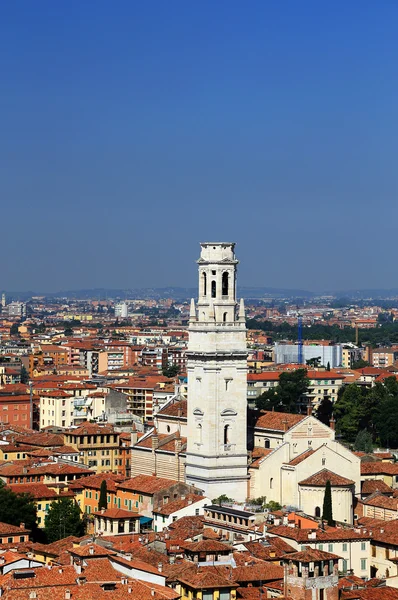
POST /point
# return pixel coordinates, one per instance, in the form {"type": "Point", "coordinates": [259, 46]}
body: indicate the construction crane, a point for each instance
{"type": "Point", "coordinates": [300, 338]}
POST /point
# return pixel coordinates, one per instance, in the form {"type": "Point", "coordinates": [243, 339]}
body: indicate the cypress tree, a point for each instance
{"type": "Point", "coordinates": [327, 514]}
{"type": "Point", "coordinates": [103, 499]}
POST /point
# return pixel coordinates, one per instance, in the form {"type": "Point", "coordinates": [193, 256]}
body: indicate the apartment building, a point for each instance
{"type": "Point", "coordinates": [97, 444]}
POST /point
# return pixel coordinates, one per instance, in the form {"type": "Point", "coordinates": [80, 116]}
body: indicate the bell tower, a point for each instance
{"type": "Point", "coordinates": [217, 379]}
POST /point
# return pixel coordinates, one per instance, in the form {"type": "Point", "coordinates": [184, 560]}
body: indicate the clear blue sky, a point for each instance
{"type": "Point", "coordinates": [130, 131]}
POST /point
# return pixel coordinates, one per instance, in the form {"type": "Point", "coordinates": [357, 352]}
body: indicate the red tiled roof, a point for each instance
{"type": "Point", "coordinates": [147, 484]}
{"type": "Point", "coordinates": [310, 555]}
{"type": "Point", "coordinates": [278, 421]}
{"type": "Point", "coordinates": [173, 409]}
{"type": "Point", "coordinates": [117, 513]}
{"type": "Point", "coordinates": [322, 477]}
{"type": "Point", "coordinates": [369, 486]}
{"type": "Point", "coordinates": [379, 467]}
{"type": "Point", "coordinates": [301, 457]}
{"type": "Point", "coordinates": [178, 504]}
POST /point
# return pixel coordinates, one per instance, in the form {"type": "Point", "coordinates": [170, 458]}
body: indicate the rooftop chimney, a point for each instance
{"type": "Point", "coordinates": [332, 423]}
{"type": "Point", "coordinates": [68, 595]}
{"type": "Point", "coordinates": [91, 550]}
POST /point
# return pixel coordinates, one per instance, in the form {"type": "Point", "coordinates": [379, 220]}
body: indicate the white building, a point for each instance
{"type": "Point", "coordinates": [217, 370]}
{"type": "Point", "coordinates": [288, 353]}
{"type": "Point", "coordinates": [186, 506]}
{"type": "Point", "coordinates": [121, 310]}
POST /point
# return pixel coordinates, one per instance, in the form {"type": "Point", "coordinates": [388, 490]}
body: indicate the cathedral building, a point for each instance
{"type": "Point", "coordinates": [204, 440]}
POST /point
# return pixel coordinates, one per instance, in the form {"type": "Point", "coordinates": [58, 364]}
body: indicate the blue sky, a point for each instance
{"type": "Point", "coordinates": [131, 131]}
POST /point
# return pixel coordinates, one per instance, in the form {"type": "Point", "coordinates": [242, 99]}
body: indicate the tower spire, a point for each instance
{"type": "Point", "coordinates": [242, 312]}
{"type": "Point", "coordinates": [192, 311]}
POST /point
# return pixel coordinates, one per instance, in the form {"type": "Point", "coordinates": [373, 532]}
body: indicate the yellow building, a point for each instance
{"type": "Point", "coordinates": [98, 446]}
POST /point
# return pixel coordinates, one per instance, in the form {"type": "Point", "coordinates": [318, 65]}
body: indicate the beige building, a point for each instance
{"type": "Point", "coordinates": [98, 446]}
{"type": "Point", "coordinates": [294, 456]}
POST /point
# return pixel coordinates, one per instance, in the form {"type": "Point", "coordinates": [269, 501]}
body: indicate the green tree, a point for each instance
{"type": "Point", "coordinates": [24, 375]}
{"type": "Point", "coordinates": [273, 506]}
{"type": "Point", "coordinates": [386, 412]}
{"type": "Point", "coordinates": [221, 499]}
{"type": "Point", "coordinates": [349, 411]}
{"type": "Point", "coordinates": [360, 364]}
{"type": "Point", "coordinates": [313, 362]}
{"type": "Point", "coordinates": [285, 397]}
{"type": "Point", "coordinates": [363, 441]}
{"type": "Point", "coordinates": [103, 499]}
{"type": "Point", "coordinates": [327, 513]}
{"type": "Point", "coordinates": [17, 508]}
{"type": "Point", "coordinates": [14, 329]}
{"type": "Point", "coordinates": [171, 371]}
{"type": "Point", "coordinates": [63, 519]}
{"type": "Point", "coordinates": [68, 332]}
{"type": "Point", "coordinates": [324, 411]}
{"type": "Point", "coordinates": [328, 366]}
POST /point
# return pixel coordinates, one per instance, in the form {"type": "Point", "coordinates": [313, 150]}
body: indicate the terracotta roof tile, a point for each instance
{"type": "Point", "coordinates": [278, 421]}
{"type": "Point", "coordinates": [322, 477]}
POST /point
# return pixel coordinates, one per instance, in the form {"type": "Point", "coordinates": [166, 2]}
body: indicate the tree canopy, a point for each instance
{"type": "Point", "coordinates": [374, 410]}
{"type": "Point", "coordinates": [17, 508]}
{"type": "Point", "coordinates": [103, 499]}
{"type": "Point", "coordinates": [63, 519]}
{"type": "Point", "coordinates": [286, 395]}
{"type": "Point", "coordinates": [171, 371]}
{"type": "Point", "coordinates": [327, 513]}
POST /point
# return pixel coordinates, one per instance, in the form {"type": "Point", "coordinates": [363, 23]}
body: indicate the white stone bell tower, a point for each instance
{"type": "Point", "coordinates": [217, 379]}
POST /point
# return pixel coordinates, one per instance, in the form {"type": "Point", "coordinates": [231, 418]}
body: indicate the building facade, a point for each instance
{"type": "Point", "coordinates": [217, 370]}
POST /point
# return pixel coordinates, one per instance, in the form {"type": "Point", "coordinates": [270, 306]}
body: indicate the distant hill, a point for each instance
{"type": "Point", "coordinates": [184, 293]}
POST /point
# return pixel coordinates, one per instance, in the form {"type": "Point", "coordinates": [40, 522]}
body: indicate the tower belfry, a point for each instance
{"type": "Point", "coordinates": [217, 378]}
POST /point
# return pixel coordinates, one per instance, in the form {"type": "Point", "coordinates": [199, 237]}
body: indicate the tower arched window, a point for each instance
{"type": "Point", "coordinates": [226, 434]}
{"type": "Point", "coordinates": [271, 483]}
{"type": "Point", "coordinates": [199, 433]}
{"type": "Point", "coordinates": [204, 284]}
{"type": "Point", "coordinates": [225, 283]}
{"type": "Point", "coordinates": [213, 289]}
{"type": "Point", "coordinates": [266, 443]}
{"type": "Point", "coordinates": [224, 317]}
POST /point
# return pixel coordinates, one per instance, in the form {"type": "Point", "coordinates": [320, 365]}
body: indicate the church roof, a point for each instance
{"type": "Point", "coordinates": [322, 477]}
{"type": "Point", "coordinates": [177, 408]}
{"type": "Point", "coordinates": [278, 421]}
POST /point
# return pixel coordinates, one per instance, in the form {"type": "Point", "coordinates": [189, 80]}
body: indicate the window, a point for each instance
{"type": "Point", "coordinates": [345, 565]}
{"type": "Point", "coordinates": [266, 443]}
{"type": "Point", "coordinates": [330, 547]}
{"type": "Point", "coordinates": [363, 546]}
{"type": "Point", "coordinates": [363, 564]}
{"type": "Point", "coordinates": [271, 483]}
{"type": "Point", "coordinates": [199, 434]}
{"type": "Point", "coordinates": [213, 289]}
{"type": "Point", "coordinates": [323, 462]}
{"type": "Point", "coordinates": [318, 512]}
{"type": "Point", "coordinates": [10, 540]}
{"type": "Point", "coordinates": [373, 551]}
{"type": "Point", "coordinates": [196, 511]}
{"type": "Point", "coordinates": [204, 284]}
{"type": "Point", "coordinates": [226, 434]}
{"type": "Point", "coordinates": [344, 547]}
{"type": "Point", "coordinates": [225, 281]}
{"type": "Point", "coordinates": [320, 547]}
